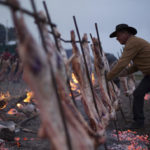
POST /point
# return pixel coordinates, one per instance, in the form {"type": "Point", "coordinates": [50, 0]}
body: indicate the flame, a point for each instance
{"type": "Point", "coordinates": [4, 95]}
{"type": "Point", "coordinates": [74, 78]}
{"type": "Point", "coordinates": [19, 105]}
{"type": "Point", "coordinates": [3, 104]}
{"type": "Point", "coordinates": [12, 111]}
{"type": "Point", "coordinates": [74, 84]}
{"type": "Point", "coordinates": [29, 96]}
{"type": "Point", "coordinates": [93, 78]}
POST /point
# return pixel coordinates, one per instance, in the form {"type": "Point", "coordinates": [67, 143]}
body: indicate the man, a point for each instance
{"type": "Point", "coordinates": [137, 50]}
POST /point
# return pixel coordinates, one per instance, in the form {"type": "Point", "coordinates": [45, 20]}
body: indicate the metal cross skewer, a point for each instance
{"type": "Point", "coordinates": [87, 71]}
{"type": "Point", "coordinates": [115, 122]}
{"type": "Point", "coordinates": [50, 23]}
{"type": "Point", "coordinates": [56, 42]}
{"type": "Point", "coordinates": [54, 84]}
{"type": "Point", "coordinates": [98, 38]}
{"type": "Point", "coordinates": [91, 36]}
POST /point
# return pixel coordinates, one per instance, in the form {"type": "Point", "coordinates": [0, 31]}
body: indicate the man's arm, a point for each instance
{"type": "Point", "coordinates": [128, 71]}
{"type": "Point", "coordinates": [130, 51]}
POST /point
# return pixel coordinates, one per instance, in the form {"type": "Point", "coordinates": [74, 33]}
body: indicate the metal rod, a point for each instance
{"type": "Point", "coordinates": [107, 86]}
{"type": "Point", "coordinates": [91, 36]}
{"type": "Point", "coordinates": [25, 11]}
{"type": "Point", "coordinates": [51, 25]}
{"type": "Point", "coordinates": [56, 42]}
{"type": "Point", "coordinates": [122, 113]}
{"type": "Point", "coordinates": [115, 123]}
{"type": "Point", "coordinates": [55, 85]}
{"type": "Point", "coordinates": [120, 108]}
{"type": "Point", "coordinates": [105, 146]}
{"type": "Point", "coordinates": [66, 41]}
{"type": "Point", "coordinates": [69, 41]}
{"type": "Point", "coordinates": [130, 99]}
{"type": "Point", "coordinates": [86, 67]}
{"type": "Point", "coordinates": [98, 38]}
{"type": "Point", "coordinates": [108, 90]}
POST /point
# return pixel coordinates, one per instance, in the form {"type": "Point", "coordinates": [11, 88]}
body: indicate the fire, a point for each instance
{"type": "Point", "coordinates": [19, 105]}
{"type": "Point", "coordinates": [25, 138]}
{"type": "Point", "coordinates": [136, 142]}
{"type": "Point", "coordinates": [147, 96]}
{"type": "Point", "coordinates": [17, 139]}
{"type": "Point", "coordinates": [4, 95]}
{"type": "Point", "coordinates": [93, 78]}
{"type": "Point", "coordinates": [3, 99]}
{"type": "Point", "coordinates": [74, 78]}
{"type": "Point", "coordinates": [29, 96]}
{"type": "Point", "coordinates": [74, 84]}
{"type": "Point", "coordinates": [12, 111]}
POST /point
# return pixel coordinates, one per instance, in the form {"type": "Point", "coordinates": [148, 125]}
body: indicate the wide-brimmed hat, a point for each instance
{"type": "Point", "coordinates": [121, 27]}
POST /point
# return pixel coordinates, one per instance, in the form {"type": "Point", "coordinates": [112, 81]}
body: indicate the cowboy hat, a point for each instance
{"type": "Point", "coordinates": [121, 27]}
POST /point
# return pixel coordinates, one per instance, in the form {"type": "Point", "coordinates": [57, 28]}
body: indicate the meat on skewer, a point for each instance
{"type": "Point", "coordinates": [87, 99]}
{"type": "Point", "coordinates": [37, 74]}
{"type": "Point", "coordinates": [100, 71]}
{"type": "Point", "coordinates": [61, 82]}
{"type": "Point", "coordinates": [87, 52]}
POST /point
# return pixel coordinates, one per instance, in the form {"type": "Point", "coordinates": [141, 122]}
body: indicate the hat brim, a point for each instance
{"type": "Point", "coordinates": [130, 29]}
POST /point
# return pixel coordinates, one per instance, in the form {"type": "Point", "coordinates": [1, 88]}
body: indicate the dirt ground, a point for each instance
{"type": "Point", "coordinates": [30, 141]}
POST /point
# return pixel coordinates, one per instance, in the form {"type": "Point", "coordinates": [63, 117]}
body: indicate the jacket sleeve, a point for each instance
{"type": "Point", "coordinates": [130, 51]}
{"type": "Point", "coordinates": [128, 71]}
{"type": "Point", "coordinates": [132, 69]}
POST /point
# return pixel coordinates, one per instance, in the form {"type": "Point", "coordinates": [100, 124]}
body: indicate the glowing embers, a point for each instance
{"type": "Point", "coordinates": [20, 140]}
{"type": "Point", "coordinates": [130, 140]}
{"type": "Point", "coordinates": [147, 97]}
{"type": "Point", "coordinates": [12, 111]}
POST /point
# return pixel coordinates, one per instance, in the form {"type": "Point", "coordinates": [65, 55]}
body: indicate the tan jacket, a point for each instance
{"type": "Point", "coordinates": [137, 50]}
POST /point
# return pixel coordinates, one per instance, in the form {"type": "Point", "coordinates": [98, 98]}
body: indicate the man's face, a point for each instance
{"type": "Point", "coordinates": [122, 37]}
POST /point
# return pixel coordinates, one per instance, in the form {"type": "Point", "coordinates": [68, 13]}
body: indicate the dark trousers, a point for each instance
{"type": "Point", "coordinates": [138, 102]}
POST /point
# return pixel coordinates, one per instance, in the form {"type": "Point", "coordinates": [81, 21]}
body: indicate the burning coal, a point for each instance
{"type": "Point", "coordinates": [147, 97]}
{"type": "Point", "coordinates": [130, 140]}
